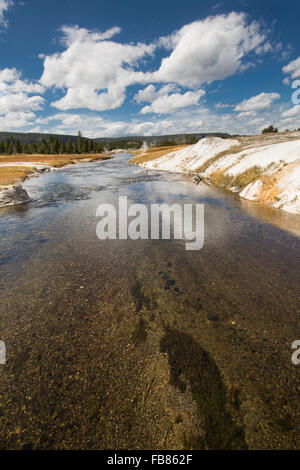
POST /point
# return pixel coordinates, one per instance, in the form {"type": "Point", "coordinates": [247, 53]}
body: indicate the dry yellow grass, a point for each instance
{"type": "Point", "coordinates": [154, 153]}
{"type": "Point", "coordinates": [15, 174]}
{"type": "Point", "coordinates": [269, 191]}
{"type": "Point", "coordinates": [53, 160]}
{"type": "Point", "coordinates": [210, 161]}
{"type": "Point", "coordinates": [240, 181]}
{"type": "Point", "coordinates": [218, 178]}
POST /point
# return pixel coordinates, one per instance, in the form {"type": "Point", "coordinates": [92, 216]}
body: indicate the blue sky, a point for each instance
{"type": "Point", "coordinates": [147, 68]}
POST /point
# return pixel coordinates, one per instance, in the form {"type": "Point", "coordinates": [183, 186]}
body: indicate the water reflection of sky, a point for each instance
{"type": "Point", "coordinates": [77, 190]}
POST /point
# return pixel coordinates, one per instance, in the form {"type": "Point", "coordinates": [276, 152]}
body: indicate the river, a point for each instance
{"type": "Point", "coordinates": [126, 344]}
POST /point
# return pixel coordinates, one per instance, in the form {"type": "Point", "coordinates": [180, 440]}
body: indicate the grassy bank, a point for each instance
{"type": "Point", "coordinates": [17, 173]}
{"type": "Point", "coordinates": [143, 156]}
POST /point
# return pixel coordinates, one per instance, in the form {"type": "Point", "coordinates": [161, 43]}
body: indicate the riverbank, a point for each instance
{"type": "Point", "coordinates": [263, 168]}
{"type": "Point", "coordinates": [16, 168]}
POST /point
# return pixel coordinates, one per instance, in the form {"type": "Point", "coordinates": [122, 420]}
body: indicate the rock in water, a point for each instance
{"type": "Point", "coordinates": [197, 179]}
{"type": "Point", "coordinates": [12, 195]}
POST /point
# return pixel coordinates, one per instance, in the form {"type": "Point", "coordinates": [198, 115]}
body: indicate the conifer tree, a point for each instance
{"type": "Point", "coordinates": [62, 147]}
{"type": "Point", "coordinates": [79, 142]}
{"type": "Point", "coordinates": [69, 146]}
{"type": "Point", "coordinates": [18, 147]}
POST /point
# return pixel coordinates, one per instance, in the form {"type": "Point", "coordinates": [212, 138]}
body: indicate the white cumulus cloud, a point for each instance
{"type": "Point", "coordinates": [16, 121]}
{"type": "Point", "coordinates": [293, 68]}
{"type": "Point", "coordinates": [293, 112]}
{"type": "Point", "coordinates": [94, 70]}
{"type": "Point", "coordinates": [257, 103]}
{"type": "Point", "coordinates": [149, 94]}
{"type": "Point", "coordinates": [18, 96]}
{"type": "Point", "coordinates": [210, 49]}
{"type": "Point", "coordinates": [189, 120]}
{"type": "Point", "coordinates": [72, 34]}
{"type": "Point", "coordinates": [162, 102]}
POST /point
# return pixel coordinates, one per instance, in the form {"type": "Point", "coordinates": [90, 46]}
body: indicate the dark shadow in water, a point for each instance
{"type": "Point", "coordinates": [190, 363]}
{"type": "Point", "coordinates": [139, 298]}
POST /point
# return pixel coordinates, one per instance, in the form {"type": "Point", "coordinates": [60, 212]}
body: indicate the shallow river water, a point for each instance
{"type": "Point", "coordinates": [126, 344]}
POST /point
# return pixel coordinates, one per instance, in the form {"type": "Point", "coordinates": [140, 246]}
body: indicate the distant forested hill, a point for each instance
{"type": "Point", "coordinates": [28, 138]}
{"type": "Point", "coordinates": [157, 140]}
{"type": "Point", "coordinates": [128, 141]}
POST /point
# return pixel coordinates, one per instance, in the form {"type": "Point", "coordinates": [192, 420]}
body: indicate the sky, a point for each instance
{"type": "Point", "coordinates": [119, 68]}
